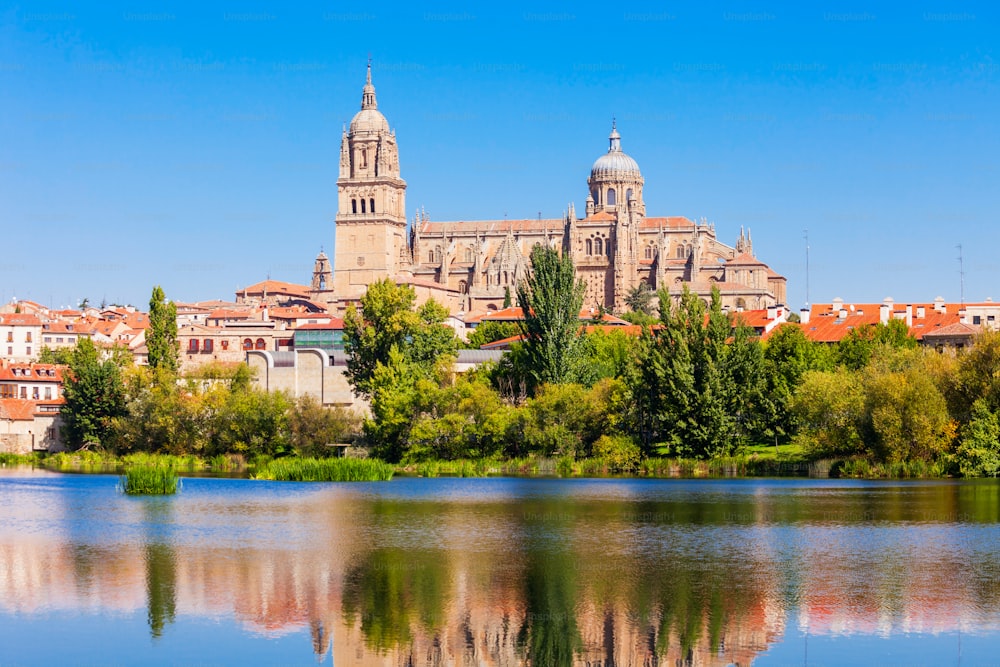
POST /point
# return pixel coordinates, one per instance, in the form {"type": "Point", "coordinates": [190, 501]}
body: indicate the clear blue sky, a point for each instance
{"type": "Point", "coordinates": [168, 143]}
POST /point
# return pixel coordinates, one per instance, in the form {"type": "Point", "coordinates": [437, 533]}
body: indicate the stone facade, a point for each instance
{"type": "Point", "coordinates": [470, 265]}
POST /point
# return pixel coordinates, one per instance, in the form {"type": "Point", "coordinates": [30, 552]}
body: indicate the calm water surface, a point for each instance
{"type": "Point", "coordinates": [499, 572]}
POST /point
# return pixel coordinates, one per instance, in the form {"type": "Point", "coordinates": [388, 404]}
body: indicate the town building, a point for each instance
{"type": "Point", "coordinates": [471, 265]}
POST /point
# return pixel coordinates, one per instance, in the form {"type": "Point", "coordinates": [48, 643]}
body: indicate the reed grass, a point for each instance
{"type": "Point", "coordinates": [18, 459]}
{"type": "Point", "coordinates": [292, 469]}
{"type": "Point", "coordinates": [149, 481]}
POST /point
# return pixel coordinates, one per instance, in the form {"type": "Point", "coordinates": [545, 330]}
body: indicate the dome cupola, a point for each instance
{"type": "Point", "coordinates": [615, 178]}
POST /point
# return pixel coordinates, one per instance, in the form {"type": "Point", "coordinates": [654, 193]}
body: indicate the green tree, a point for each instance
{"type": "Point", "coordinates": [95, 396]}
{"type": "Point", "coordinates": [979, 452]}
{"type": "Point", "coordinates": [551, 298]}
{"type": "Point", "coordinates": [60, 355]}
{"type": "Point", "coordinates": [314, 426]}
{"type": "Point", "coordinates": [161, 337]}
{"type": "Point", "coordinates": [640, 299]}
{"type": "Point", "coordinates": [855, 349]}
{"type": "Point", "coordinates": [387, 321]}
{"type": "Point", "coordinates": [682, 382]}
{"type": "Point", "coordinates": [789, 354]}
{"type": "Point", "coordinates": [489, 331]}
{"type": "Point", "coordinates": [506, 296]}
{"type": "Point", "coordinates": [829, 407]}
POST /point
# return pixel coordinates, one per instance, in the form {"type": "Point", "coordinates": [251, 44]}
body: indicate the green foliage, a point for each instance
{"type": "Point", "coordinates": [685, 381]}
{"type": "Point", "coordinates": [294, 469]}
{"type": "Point", "coordinates": [830, 409]}
{"type": "Point", "coordinates": [977, 377]}
{"type": "Point", "coordinates": [161, 337]}
{"type": "Point", "coordinates": [640, 299]}
{"type": "Point", "coordinates": [389, 321]}
{"type": "Point", "coordinates": [506, 296]}
{"type": "Point", "coordinates": [551, 298]}
{"type": "Point", "coordinates": [314, 427]}
{"type": "Point", "coordinates": [855, 350]}
{"type": "Point", "coordinates": [62, 355]}
{"type": "Point", "coordinates": [95, 396]}
{"type": "Point", "coordinates": [146, 481]}
{"type": "Point", "coordinates": [618, 451]}
{"type": "Point", "coordinates": [489, 331]}
{"type": "Point", "coordinates": [979, 452]}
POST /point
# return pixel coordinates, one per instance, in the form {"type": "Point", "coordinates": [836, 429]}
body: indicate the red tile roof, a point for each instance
{"type": "Point", "coordinates": [20, 320]}
{"type": "Point", "coordinates": [17, 409]}
{"type": "Point", "coordinates": [31, 373]}
{"type": "Point", "coordinates": [276, 287]}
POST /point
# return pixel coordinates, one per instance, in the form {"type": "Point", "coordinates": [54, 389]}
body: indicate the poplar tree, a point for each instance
{"type": "Point", "coordinates": [551, 298]}
{"type": "Point", "coordinates": [161, 338]}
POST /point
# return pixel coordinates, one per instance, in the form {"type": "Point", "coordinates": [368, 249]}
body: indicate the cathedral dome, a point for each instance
{"type": "Point", "coordinates": [369, 120]}
{"type": "Point", "coordinates": [615, 164]}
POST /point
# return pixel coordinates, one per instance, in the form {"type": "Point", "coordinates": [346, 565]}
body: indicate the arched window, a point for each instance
{"type": "Point", "coordinates": [504, 278]}
{"type": "Point", "coordinates": [362, 205]}
{"type": "Point", "coordinates": [371, 205]}
{"type": "Point", "coordinates": [628, 195]}
{"type": "Point", "coordinates": [463, 286]}
{"type": "Point", "coordinates": [468, 255]}
{"type": "Point", "coordinates": [430, 256]}
{"type": "Point", "coordinates": [611, 197]}
{"type": "Point", "coordinates": [590, 247]}
{"type": "Point", "coordinates": [680, 252]}
{"type": "Point", "coordinates": [354, 206]}
{"type": "Point", "coordinates": [598, 246]}
{"type": "Point", "coordinates": [259, 345]}
{"type": "Point", "coordinates": [247, 344]}
{"type": "Point", "coordinates": [322, 282]}
{"type": "Point", "coordinates": [649, 252]}
{"type": "Point", "coordinates": [364, 158]}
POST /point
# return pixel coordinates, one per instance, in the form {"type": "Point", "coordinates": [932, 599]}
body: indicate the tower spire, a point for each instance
{"type": "Point", "coordinates": [368, 94]}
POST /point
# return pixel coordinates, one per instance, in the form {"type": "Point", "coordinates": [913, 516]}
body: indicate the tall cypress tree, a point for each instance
{"type": "Point", "coordinates": [161, 338]}
{"type": "Point", "coordinates": [551, 298]}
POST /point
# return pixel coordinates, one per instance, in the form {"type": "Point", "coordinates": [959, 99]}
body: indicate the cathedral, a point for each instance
{"type": "Point", "coordinates": [471, 265]}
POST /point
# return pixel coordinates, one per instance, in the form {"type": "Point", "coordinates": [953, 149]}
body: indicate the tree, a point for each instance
{"type": "Point", "coordinates": [161, 337]}
{"type": "Point", "coordinates": [979, 452]}
{"type": "Point", "coordinates": [856, 348]}
{"type": "Point", "coordinates": [506, 296]}
{"type": "Point", "coordinates": [387, 320]}
{"type": "Point", "coordinates": [95, 396]}
{"type": "Point", "coordinates": [551, 298]}
{"type": "Point", "coordinates": [490, 331]}
{"type": "Point", "coordinates": [640, 298]}
{"type": "Point", "coordinates": [59, 355]}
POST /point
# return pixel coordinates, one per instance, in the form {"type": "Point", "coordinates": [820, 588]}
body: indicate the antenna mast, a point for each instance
{"type": "Point", "coordinates": [961, 273]}
{"type": "Point", "coordinates": [806, 232]}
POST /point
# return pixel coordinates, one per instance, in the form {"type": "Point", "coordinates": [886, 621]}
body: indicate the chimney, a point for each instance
{"type": "Point", "coordinates": [804, 314]}
{"type": "Point", "coordinates": [883, 313]}
{"type": "Point", "coordinates": [772, 312]}
{"type": "Point", "coordinates": [939, 306]}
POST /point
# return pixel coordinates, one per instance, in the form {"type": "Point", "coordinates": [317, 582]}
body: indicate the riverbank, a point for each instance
{"type": "Point", "coordinates": [789, 463]}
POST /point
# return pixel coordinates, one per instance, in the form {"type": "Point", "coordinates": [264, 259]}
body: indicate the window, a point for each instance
{"type": "Point", "coordinates": [260, 345]}
{"type": "Point", "coordinates": [10, 351]}
{"type": "Point", "coordinates": [371, 205]}
{"type": "Point", "coordinates": [628, 195]}
{"type": "Point", "coordinates": [976, 319]}
{"type": "Point", "coordinates": [225, 345]}
{"type": "Point", "coordinates": [35, 393]}
{"type": "Point", "coordinates": [27, 337]}
{"type": "Point", "coordinates": [611, 197]}
{"type": "Point", "coordinates": [192, 346]}
{"type": "Point", "coordinates": [649, 252]}
{"type": "Point", "coordinates": [48, 339]}
{"type": "Point", "coordinates": [362, 205]}
{"type": "Point", "coordinates": [27, 350]}
{"type": "Point", "coordinates": [48, 393]}
{"type": "Point", "coordinates": [468, 255]}
{"type": "Point", "coordinates": [24, 392]}
{"type": "Point", "coordinates": [8, 391]}
{"type": "Point", "coordinates": [354, 206]}
{"type": "Point", "coordinates": [59, 339]}
{"type": "Point", "coordinates": [10, 336]}
{"type": "Point", "coordinates": [71, 339]}
{"type": "Point", "coordinates": [599, 246]}
{"type": "Point", "coordinates": [208, 345]}
{"type": "Point", "coordinates": [364, 165]}
{"type": "Point", "coordinates": [590, 247]}
{"type": "Point", "coordinates": [247, 344]}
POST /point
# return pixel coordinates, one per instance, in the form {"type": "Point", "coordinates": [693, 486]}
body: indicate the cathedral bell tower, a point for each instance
{"type": "Point", "coordinates": [370, 226]}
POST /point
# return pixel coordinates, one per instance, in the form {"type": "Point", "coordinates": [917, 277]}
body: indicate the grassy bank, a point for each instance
{"type": "Point", "coordinates": [149, 481]}
{"type": "Point", "coordinates": [293, 469]}
{"type": "Point", "coordinates": [18, 459]}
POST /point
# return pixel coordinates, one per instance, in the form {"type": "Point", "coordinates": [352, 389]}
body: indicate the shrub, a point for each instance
{"type": "Point", "coordinates": [145, 480]}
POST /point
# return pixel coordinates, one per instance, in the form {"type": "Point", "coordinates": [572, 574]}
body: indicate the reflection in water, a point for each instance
{"type": "Point", "coordinates": [506, 572]}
